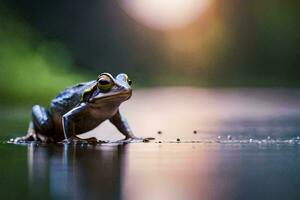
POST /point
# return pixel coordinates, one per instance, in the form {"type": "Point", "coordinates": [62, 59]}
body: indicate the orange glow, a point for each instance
{"type": "Point", "coordinates": [165, 14]}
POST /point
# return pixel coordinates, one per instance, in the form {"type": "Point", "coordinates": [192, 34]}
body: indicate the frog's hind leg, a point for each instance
{"type": "Point", "coordinates": [40, 127]}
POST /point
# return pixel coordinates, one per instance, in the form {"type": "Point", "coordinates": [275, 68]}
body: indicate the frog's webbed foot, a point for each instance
{"type": "Point", "coordinates": [33, 136]}
{"type": "Point", "coordinates": [134, 139]}
{"type": "Point", "coordinates": [78, 140]}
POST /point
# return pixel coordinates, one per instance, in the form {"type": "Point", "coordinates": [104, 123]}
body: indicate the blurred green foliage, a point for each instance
{"type": "Point", "coordinates": [32, 69]}
{"type": "Point", "coordinates": [48, 45]}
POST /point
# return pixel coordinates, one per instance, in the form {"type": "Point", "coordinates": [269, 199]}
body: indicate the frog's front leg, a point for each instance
{"type": "Point", "coordinates": [68, 122]}
{"type": "Point", "coordinates": [122, 125]}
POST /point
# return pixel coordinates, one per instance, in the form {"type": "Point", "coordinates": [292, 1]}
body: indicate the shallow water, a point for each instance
{"type": "Point", "coordinates": [233, 144]}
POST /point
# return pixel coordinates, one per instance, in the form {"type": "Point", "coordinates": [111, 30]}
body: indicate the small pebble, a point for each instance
{"type": "Point", "coordinates": [159, 132]}
{"type": "Point", "coordinates": [159, 141]}
{"type": "Point", "coordinates": [178, 140]}
{"type": "Point", "coordinates": [269, 137]}
{"type": "Point", "coordinates": [195, 132]}
{"type": "Point", "coordinates": [250, 140]}
{"type": "Point", "coordinates": [219, 137]}
{"type": "Point", "coordinates": [229, 137]}
{"type": "Point", "coordinates": [145, 140]}
{"type": "Point", "coordinates": [298, 138]}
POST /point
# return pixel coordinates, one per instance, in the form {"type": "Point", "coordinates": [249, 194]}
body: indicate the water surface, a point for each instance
{"type": "Point", "coordinates": [234, 144]}
{"type": "Point", "coordinates": [151, 171]}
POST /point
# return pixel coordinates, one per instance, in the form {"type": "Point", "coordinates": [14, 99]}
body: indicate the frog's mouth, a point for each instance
{"type": "Point", "coordinates": [111, 96]}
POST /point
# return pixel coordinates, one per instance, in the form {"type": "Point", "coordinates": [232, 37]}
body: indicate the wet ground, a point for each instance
{"type": "Point", "coordinates": [210, 144]}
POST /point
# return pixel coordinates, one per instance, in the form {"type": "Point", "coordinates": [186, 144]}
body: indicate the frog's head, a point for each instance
{"type": "Point", "coordinates": [116, 89]}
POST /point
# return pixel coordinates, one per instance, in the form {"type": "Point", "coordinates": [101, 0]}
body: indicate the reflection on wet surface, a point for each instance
{"type": "Point", "coordinates": [212, 171]}
{"type": "Point", "coordinates": [155, 171]}
{"type": "Point", "coordinates": [75, 172]}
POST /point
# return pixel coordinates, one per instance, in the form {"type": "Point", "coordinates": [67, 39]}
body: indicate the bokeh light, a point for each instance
{"type": "Point", "coordinates": [165, 14]}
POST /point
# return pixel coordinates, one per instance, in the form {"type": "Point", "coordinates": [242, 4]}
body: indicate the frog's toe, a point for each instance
{"type": "Point", "coordinates": [74, 140]}
{"type": "Point", "coordinates": [18, 140]}
{"type": "Point", "coordinates": [94, 140]}
{"type": "Point", "coordinates": [23, 139]}
{"type": "Point", "coordinates": [141, 139]}
{"type": "Point", "coordinates": [34, 137]}
{"type": "Point", "coordinates": [124, 141]}
{"type": "Point", "coordinates": [77, 140]}
{"type": "Point", "coordinates": [102, 142]}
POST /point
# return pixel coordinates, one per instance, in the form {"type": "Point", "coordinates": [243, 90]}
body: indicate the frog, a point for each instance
{"type": "Point", "coordinates": [81, 108]}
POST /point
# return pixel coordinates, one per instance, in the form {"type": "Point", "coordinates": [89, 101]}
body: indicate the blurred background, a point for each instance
{"type": "Point", "coordinates": [48, 45]}
{"type": "Point", "coordinates": [202, 70]}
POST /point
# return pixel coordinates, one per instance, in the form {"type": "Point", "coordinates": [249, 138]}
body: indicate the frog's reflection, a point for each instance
{"type": "Point", "coordinates": [76, 172]}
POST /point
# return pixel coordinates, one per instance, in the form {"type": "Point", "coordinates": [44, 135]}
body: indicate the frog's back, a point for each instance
{"type": "Point", "coordinates": [69, 98]}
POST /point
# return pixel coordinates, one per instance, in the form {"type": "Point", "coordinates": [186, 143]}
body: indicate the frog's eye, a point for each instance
{"type": "Point", "coordinates": [104, 83]}
{"type": "Point", "coordinates": [124, 77]}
